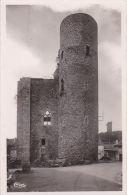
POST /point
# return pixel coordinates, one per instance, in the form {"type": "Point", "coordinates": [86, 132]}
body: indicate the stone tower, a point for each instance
{"type": "Point", "coordinates": [70, 129]}
{"type": "Point", "coordinates": [78, 89]}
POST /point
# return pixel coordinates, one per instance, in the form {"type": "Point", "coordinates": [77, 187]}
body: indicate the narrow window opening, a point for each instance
{"type": "Point", "coordinates": [42, 141]}
{"type": "Point", "coordinates": [87, 50]}
{"type": "Point", "coordinates": [47, 118]}
{"type": "Point", "coordinates": [62, 87]}
{"type": "Point", "coordinates": [61, 55]}
{"type": "Point", "coordinates": [86, 120]}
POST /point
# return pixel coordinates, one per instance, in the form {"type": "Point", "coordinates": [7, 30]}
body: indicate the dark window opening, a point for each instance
{"type": "Point", "coordinates": [62, 87]}
{"type": "Point", "coordinates": [86, 120]}
{"type": "Point", "coordinates": [47, 118]}
{"type": "Point", "coordinates": [87, 50]}
{"type": "Point", "coordinates": [43, 141]}
{"type": "Point", "coordinates": [61, 54]}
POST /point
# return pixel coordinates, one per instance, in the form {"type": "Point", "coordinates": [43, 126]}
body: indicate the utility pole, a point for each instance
{"type": "Point", "coordinates": [109, 130]}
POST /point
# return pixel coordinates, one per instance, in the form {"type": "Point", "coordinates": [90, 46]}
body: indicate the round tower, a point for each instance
{"type": "Point", "coordinates": [78, 89]}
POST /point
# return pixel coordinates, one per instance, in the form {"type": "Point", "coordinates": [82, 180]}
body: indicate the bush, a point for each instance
{"type": "Point", "coordinates": [88, 161]}
{"type": "Point", "coordinates": [63, 162]}
{"type": "Point", "coordinates": [53, 163]}
{"type": "Point", "coordinates": [10, 179]}
{"type": "Point", "coordinates": [26, 167]}
{"type": "Point", "coordinates": [14, 164]}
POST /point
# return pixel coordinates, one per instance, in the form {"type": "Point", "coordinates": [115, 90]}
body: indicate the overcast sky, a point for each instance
{"type": "Point", "coordinates": [32, 44]}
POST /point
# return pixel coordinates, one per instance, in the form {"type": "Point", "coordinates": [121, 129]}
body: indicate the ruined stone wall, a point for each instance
{"type": "Point", "coordinates": [23, 120]}
{"type": "Point", "coordinates": [44, 97]}
{"type": "Point", "coordinates": [78, 98]}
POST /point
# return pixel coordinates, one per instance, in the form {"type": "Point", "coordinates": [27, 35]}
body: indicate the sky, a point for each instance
{"type": "Point", "coordinates": [32, 44]}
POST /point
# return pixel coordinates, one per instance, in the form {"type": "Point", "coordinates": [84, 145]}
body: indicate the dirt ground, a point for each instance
{"type": "Point", "coordinates": [93, 177]}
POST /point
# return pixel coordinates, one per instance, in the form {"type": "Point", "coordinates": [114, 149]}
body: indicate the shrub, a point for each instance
{"type": "Point", "coordinates": [26, 167]}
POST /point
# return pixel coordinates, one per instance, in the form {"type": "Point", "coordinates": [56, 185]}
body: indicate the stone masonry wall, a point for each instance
{"type": "Point", "coordinates": [44, 98]}
{"type": "Point", "coordinates": [71, 98]}
{"type": "Point", "coordinates": [23, 120]}
{"type": "Point", "coordinates": [78, 104]}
